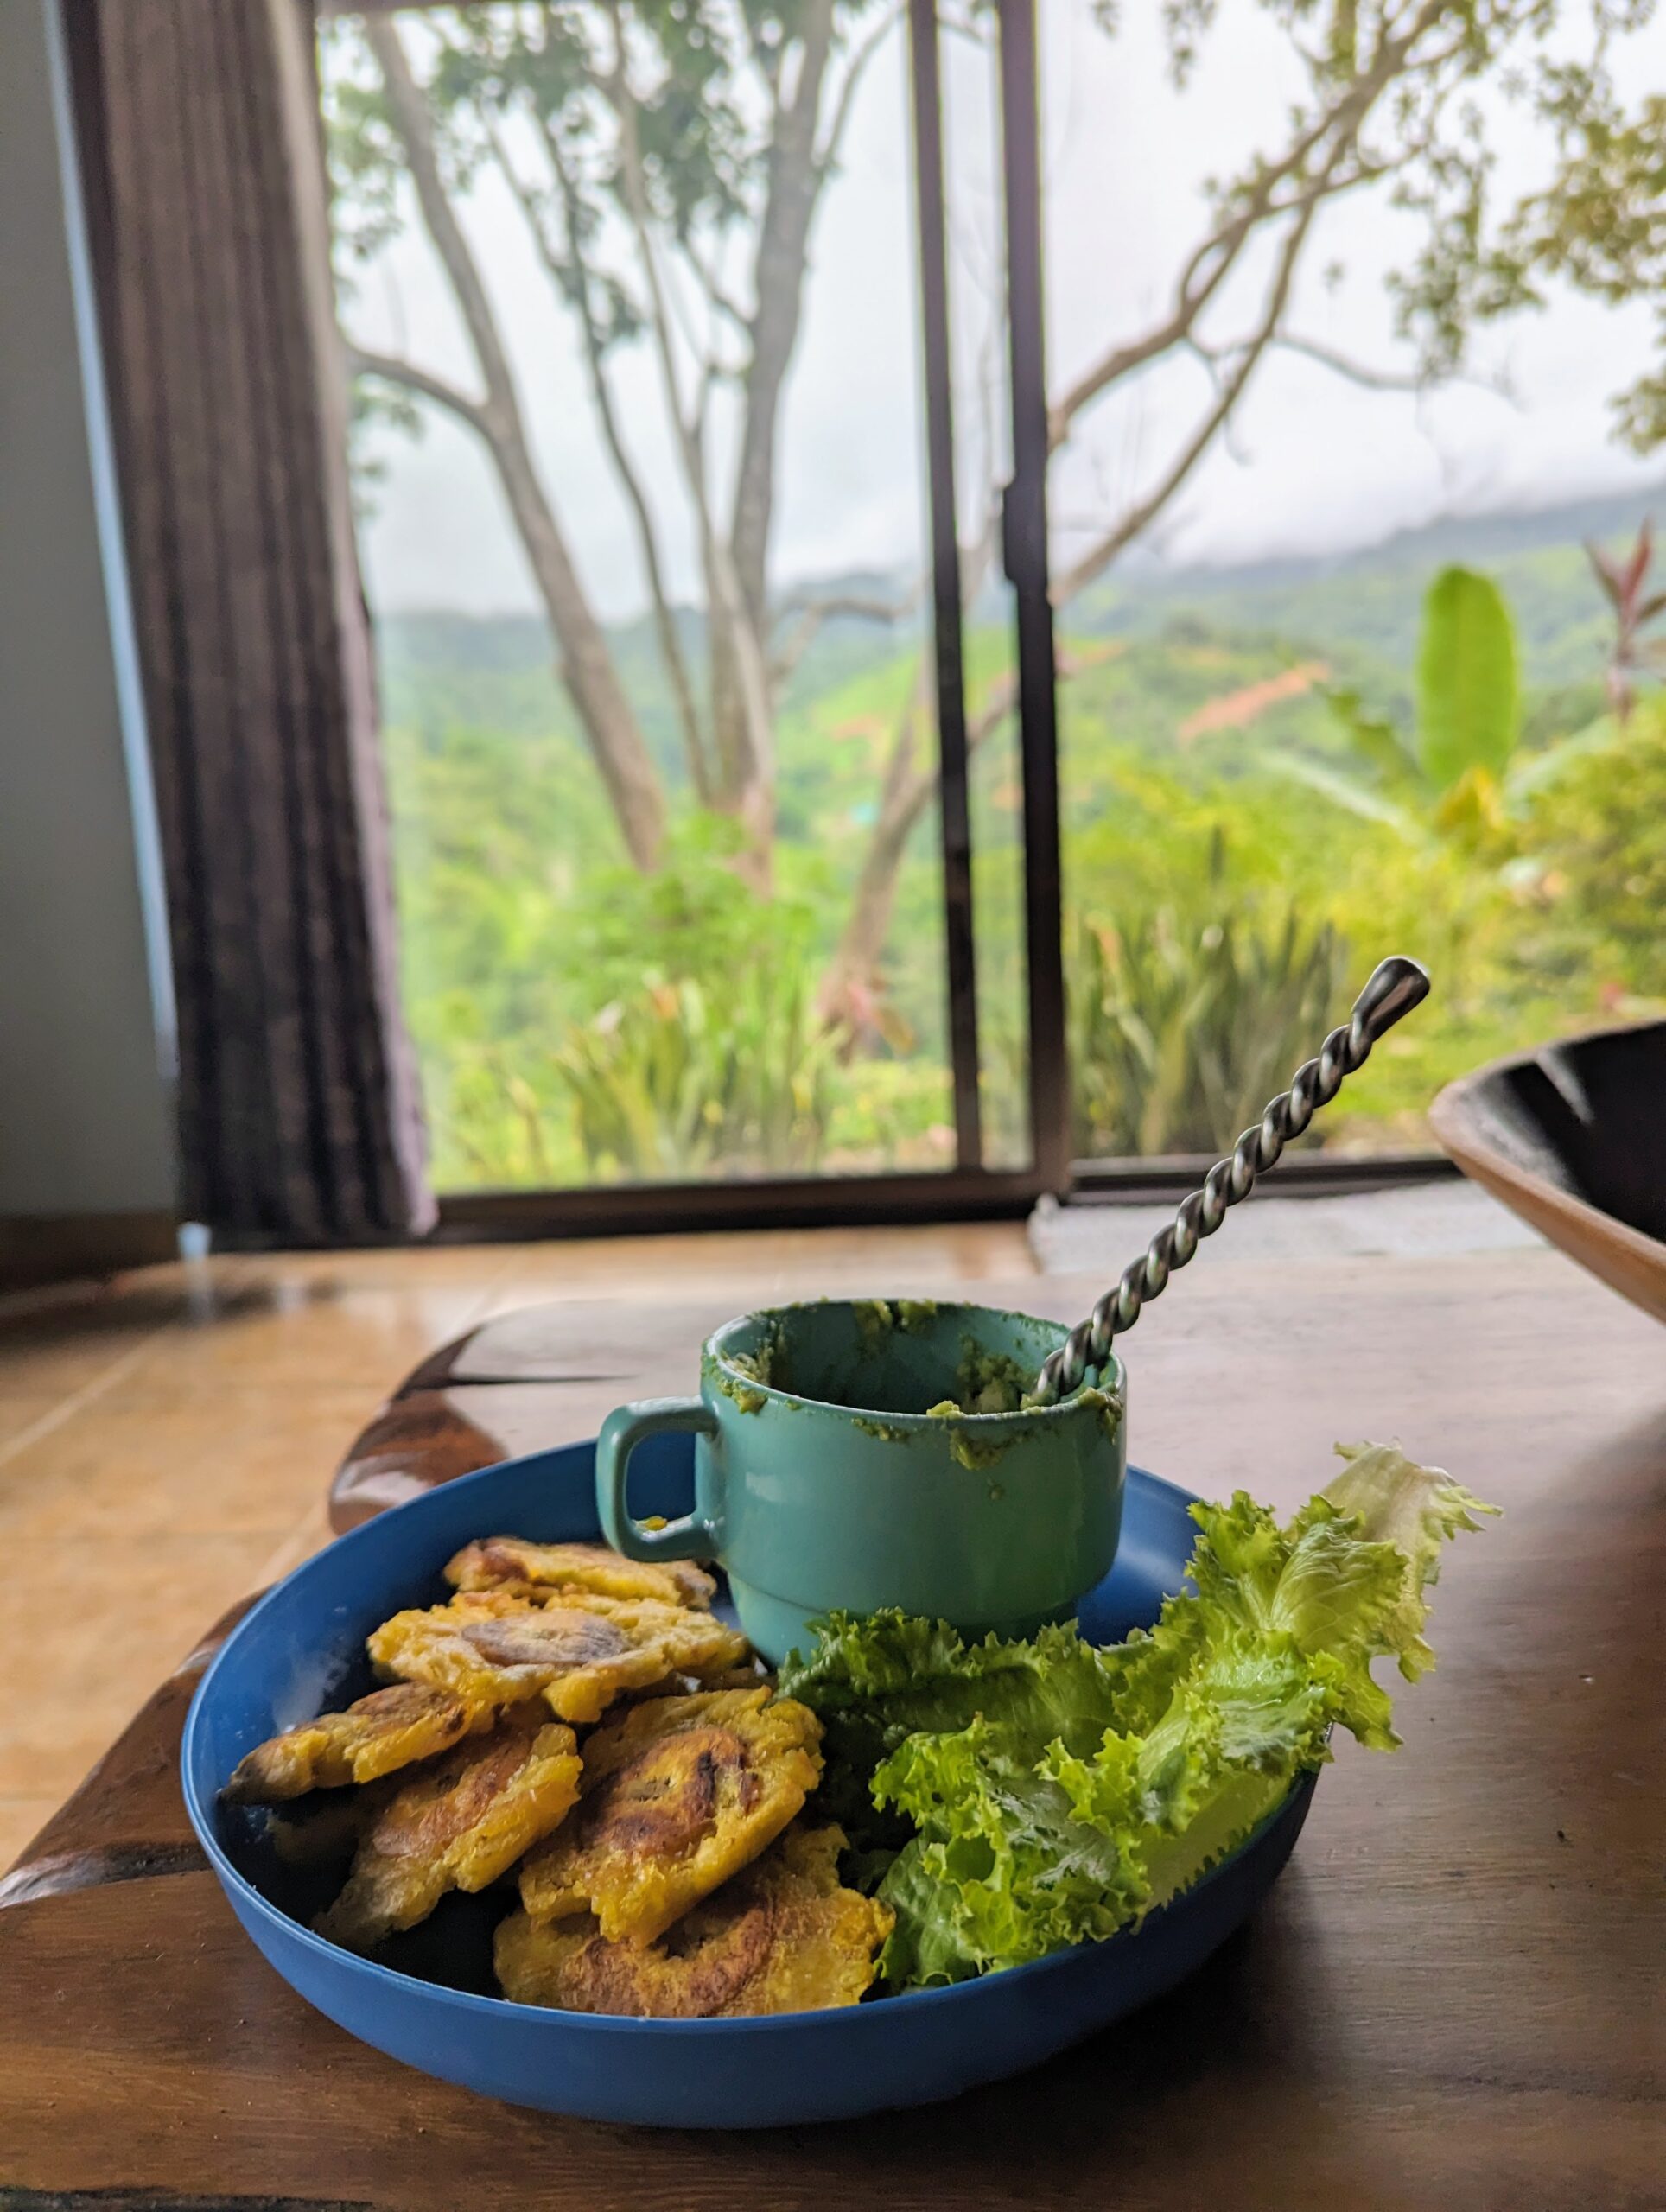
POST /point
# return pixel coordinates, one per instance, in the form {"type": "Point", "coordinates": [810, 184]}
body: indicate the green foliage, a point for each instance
{"type": "Point", "coordinates": [1186, 1019]}
{"type": "Point", "coordinates": [1455, 775]}
{"type": "Point", "coordinates": [1637, 610]}
{"type": "Point", "coordinates": [1009, 1799]}
{"type": "Point", "coordinates": [575, 1019]}
{"type": "Point", "coordinates": [1188, 867]}
{"type": "Point", "coordinates": [683, 1080]}
{"type": "Point", "coordinates": [1468, 685]}
{"type": "Point", "coordinates": [1363, 613]}
{"type": "Point", "coordinates": [1597, 835]}
{"type": "Point", "coordinates": [365, 167]}
{"type": "Point", "coordinates": [1599, 225]}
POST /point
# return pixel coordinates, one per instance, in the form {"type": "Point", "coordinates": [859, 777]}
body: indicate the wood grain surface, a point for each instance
{"type": "Point", "coordinates": [1452, 1998]}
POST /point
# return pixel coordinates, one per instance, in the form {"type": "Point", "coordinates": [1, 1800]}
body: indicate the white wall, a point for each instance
{"type": "Point", "coordinates": [85, 1111]}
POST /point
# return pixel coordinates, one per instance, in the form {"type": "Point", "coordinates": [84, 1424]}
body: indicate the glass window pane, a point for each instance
{"type": "Point", "coordinates": [632, 300]}
{"type": "Point", "coordinates": [983, 404]}
{"type": "Point", "coordinates": [1347, 362]}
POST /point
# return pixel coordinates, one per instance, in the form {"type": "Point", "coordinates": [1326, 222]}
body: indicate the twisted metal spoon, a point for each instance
{"type": "Point", "coordinates": [1396, 986]}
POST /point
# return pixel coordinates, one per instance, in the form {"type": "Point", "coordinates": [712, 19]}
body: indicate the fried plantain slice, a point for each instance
{"type": "Point", "coordinates": [678, 1795]}
{"type": "Point", "coordinates": [457, 1825]}
{"type": "Point", "coordinates": [577, 1652]}
{"type": "Point", "coordinates": [753, 1675]}
{"type": "Point", "coordinates": [374, 1736]}
{"type": "Point", "coordinates": [528, 1570]}
{"type": "Point", "coordinates": [331, 1824]}
{"type": "Point", "coordinates": [781, 1937]}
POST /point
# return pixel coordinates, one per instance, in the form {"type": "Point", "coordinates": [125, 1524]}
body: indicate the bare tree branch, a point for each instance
{"type": "Point", "coordinates": [605, 714]}
{"type": "Point", "coordinates": [902, 796]}
{"type": "Point", "coordinates": [392, 370]}
{"type": "Point", "coordinates": [1213, 259]}
{"type": "Point", "coordinates": [813, 615]}
{"type": "Point", "coordinates": [1334, 136]}
{"type": "Point", "coordinates": [998, 703]}
{"type": "Point", "coordinates": [711, 284]}
{"type": "Point", "coordinates": [727, 615]}
{"type": "Point", "coordinates": [1099, 559]}
{"type": "Point", "coordinates": [793, 184]}
{"type": "Point", "coordinates": [1179, 328]}
{"type": "Point", "coordinates": [1362, 373]}
{"type": "Point", "coordinates": [577, 283]}
{"type": "Point", "coordinates": [827, 608]}
{"type": "Point", "coordinates": [661, 313]}
{"type": "Point", "coordinates": [1357, 372]}
{"type": "Point", "coordinates": [861, 55]}
{"type": "Point", "coordinates": [908, 790]}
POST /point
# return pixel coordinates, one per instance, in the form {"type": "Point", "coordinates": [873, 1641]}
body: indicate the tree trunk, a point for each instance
{"type": "Point", "coordinates": [664, 617]}
{"type": "Point", "coordinates": [908, 790]}
{"type": "Point", "coordinates": [861, 942]}
{"type": "Point", "coordinates": [1321, 161]}
{"type": "Point", "coordinates": [746, 741]}
{"type": "Point", "coordinates": [586, 664]}
{"type": "Point", "coordinates": [587, 668]}
{"type": "Point", "coordinates": [794, 182]}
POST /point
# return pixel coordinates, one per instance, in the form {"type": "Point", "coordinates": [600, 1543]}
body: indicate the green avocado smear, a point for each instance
{"type": "Point", "coordinates": [990, 1381]}
{"type": "Point", "coordinates": [756, 1368]}
{"type": "Point", "coordinates": [985, 1382]}
{"type": "Point", "coordinates": [1009, 1799]}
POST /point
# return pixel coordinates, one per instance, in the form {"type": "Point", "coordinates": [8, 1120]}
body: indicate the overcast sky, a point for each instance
{"type": "Point", "coordinates": [1316, 463]}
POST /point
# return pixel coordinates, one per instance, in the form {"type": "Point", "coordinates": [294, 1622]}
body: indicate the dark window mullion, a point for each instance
{"type": "Point", "coordinates": [954, 805]}
{"type": "Point", "coordinates": [1024, 552]}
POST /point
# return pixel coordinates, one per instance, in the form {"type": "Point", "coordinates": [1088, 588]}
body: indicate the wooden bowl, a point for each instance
{"type": "Point", "coordinates": [1573, 1138]}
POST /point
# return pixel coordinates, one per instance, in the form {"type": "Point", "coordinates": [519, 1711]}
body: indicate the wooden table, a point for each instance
{"type": "Point", "coordinates": [1452, 1998]}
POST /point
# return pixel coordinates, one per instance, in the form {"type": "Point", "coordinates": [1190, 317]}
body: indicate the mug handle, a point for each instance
{"type": "Point", "coordinates": [692, 1537]}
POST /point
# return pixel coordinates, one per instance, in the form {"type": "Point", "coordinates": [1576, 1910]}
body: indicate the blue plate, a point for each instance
{"type": "Point", "coordinates": [303, 1647]}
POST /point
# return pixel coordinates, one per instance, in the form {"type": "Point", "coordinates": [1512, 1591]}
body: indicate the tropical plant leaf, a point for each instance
{"type": "Point", "coordinates": [1185, 1020]}
{"type": "Point", "coordinates": [1468, 679]}
{"type": "Point", "coordinates": [1605, 572]}
{"type": "Point", "coordinates": [1472, 812]}
{"type": "Point", "coordinates": [1535, 771]}
{"type": "Point", "coordinates": [1344, 789]}
{"type": "Point", "coordinates": [1376, 741]}
{"type": "Point", "coordinates": [664, 1082]}
{"type": "Point", "coordinates": [1637, 566]}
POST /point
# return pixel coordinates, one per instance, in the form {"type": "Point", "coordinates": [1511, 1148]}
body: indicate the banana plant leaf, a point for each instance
{"type": "Point", "coordinates": [1469, 707]}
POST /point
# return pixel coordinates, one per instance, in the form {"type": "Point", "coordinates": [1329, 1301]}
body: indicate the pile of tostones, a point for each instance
{"type": "Point", "coordinates": [591, 1722]}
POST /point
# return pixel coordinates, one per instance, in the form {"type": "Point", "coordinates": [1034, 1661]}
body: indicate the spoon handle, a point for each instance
{"type": "Point", "coordinates": [1396, 986]}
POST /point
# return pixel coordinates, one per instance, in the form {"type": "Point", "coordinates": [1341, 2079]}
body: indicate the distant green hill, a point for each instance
{"type": "Point", "coordinates": [1480, 540]}
{"type": "Point", "coordinates": [1156, 648]}
{"type": "Point", "coordinates": [443, 670]}
{"type": "Point", "coordinates": [1371, 598]}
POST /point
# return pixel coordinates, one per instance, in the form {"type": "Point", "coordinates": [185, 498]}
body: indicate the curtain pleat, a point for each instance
{"type": "Point", "coordinates": [299, 1109]}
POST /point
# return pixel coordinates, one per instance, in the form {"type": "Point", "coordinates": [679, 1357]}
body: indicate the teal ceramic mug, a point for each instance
{"type": "Point", "coordinates": [857, 1454]}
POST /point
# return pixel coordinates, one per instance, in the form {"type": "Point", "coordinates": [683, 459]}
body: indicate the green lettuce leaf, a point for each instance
{"type": "Point", "coordinates": [877, 1679]}
{"type": "Point", "coordinates": [1044, 1792]}
{"type": "Point", "coordinates": [892, 1675]}
{"type": "Point", "coordinates": [925, 1948]}
{"type": "Point", "coordinates": [1417, 1509]}
{"type": "Point", "coordinates": [1003, 1869]}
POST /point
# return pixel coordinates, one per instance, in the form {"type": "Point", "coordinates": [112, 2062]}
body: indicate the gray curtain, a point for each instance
{"type": "Point", "coordinates": [299, 1111]}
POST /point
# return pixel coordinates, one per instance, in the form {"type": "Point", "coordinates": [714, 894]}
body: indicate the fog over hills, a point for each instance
{"type": "Point", "coordinates": [1480, 540]}
{"type": "Point", "coordinates": [444, 670]}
